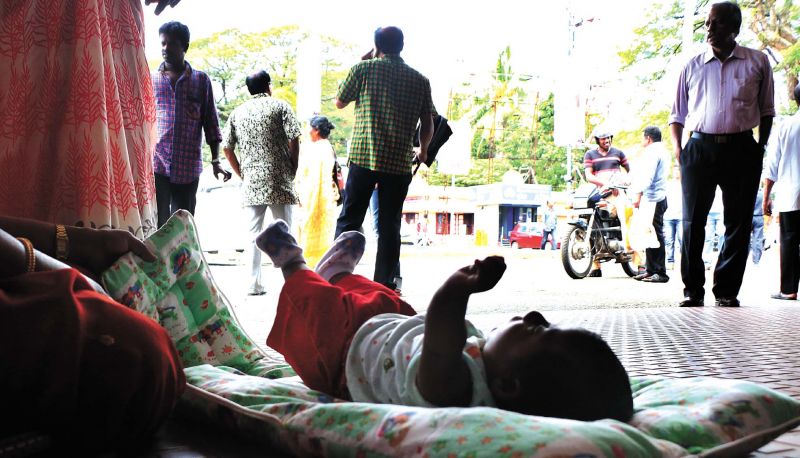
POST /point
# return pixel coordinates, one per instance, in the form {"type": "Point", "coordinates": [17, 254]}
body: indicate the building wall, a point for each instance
{"type": "Point", "coordinates": [486, 221]}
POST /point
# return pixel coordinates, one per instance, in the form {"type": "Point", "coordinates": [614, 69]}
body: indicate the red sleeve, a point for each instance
{"type": "Point", "coordinates": [101, 374]}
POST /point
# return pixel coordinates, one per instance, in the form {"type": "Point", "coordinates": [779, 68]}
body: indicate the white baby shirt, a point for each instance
{"type": "Point", "coordinates": [384, 356]}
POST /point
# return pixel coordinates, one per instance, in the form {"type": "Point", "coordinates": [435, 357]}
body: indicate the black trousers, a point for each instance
{"type": "Point", "coordinates": [656, 257]}
{"type": "Point", "coordinates": [392, 190]}
{"type": "Point", "coordinates": [790, 251]}
{"type": "Point", "coordinates": [171, 197]}
{"type": "Point", "coordinates": [736, 168]}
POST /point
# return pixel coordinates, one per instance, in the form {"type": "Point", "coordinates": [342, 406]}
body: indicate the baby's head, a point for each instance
{"type": "Point", "coordinates": [538, 369]}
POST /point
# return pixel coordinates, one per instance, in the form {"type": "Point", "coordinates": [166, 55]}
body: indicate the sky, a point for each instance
{"type": "Point", "coordinates": [452, 42]}
{"type": "Point", "coordinates": [444, 39]}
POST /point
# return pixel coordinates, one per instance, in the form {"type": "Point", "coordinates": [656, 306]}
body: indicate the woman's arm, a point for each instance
{"type": "Point", "coordinates": [94, 250]}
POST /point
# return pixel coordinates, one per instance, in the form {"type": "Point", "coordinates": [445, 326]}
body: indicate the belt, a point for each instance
{"type": "Point", "coordinates": [721, 138]}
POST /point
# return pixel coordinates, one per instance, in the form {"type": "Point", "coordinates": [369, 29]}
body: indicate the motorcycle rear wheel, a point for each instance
{"type": "Point", "coordinates": [576, 253]}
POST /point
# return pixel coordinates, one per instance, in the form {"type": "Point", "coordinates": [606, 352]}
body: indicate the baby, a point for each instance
{"type": "Point", "coordinates": [355, 339]}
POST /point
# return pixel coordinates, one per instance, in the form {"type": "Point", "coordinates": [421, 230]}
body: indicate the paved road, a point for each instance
{"type": "Point", "coordinates": [534, 280]}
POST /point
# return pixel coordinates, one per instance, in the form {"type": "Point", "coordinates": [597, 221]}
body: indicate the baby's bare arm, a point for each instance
{"type": "Point", "coordinates": [443, 377]}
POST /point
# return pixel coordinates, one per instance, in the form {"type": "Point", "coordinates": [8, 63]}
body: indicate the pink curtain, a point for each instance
{"type": "Point", "coordinates": [76, 114]}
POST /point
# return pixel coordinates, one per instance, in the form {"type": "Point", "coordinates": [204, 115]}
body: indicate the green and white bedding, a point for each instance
{"type": "Point", "coordinates": [674, 417]}
{"type": "Point", "coordinates": [235, 385]}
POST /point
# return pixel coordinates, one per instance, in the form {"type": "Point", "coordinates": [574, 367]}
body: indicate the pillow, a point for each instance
{"type": "Point", "coordinates": [177, 290]}
{"type": "Point", "coordinates": [705, 414]}
{"type": "Point", "coordinates": [674, 417]}
{"type": "Point", "coordinates": [304, 422]}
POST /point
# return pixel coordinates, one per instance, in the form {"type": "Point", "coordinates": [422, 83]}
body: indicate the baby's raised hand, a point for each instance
{"type": "Point", "coordinates": [481, 275]}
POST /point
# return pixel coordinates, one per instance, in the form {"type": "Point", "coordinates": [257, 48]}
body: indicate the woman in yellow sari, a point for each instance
{"type": "Point", "coordinates": [314, 184]}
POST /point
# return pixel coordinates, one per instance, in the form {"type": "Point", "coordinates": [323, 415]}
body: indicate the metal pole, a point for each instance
{"type": "Point", "coordinates": [570, 48]}
{"type": "Point", "coordinates": [453, 214]}
{"type": "Point", "coordinates": [569, 169]}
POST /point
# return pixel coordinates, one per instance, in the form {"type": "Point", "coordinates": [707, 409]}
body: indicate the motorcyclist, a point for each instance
{"type": "Point", "coordinates": [601, 164]}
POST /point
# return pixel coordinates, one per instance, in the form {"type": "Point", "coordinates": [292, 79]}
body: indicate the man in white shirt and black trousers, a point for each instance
{"type": "Point", "coordinates": [650, 184]}
{"type": "Point", "coordinates": [722, 95]}
{"type": "Point", "coordinates": [783, 168]}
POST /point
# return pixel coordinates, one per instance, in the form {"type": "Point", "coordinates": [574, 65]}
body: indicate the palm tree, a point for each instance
{"type": "Point", "coordinates": [500, 101]}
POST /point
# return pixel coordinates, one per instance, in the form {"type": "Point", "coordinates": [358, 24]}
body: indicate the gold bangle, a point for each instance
{"type": "Point", "coordinates": [30, 255]}
{"type": "Point", "coordinates": [62, 243]}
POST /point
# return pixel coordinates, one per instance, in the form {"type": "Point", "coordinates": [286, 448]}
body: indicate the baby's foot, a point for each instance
{"type": "Point", "coordinates": [343, 256]}
{"type": "Point", "coordinates": [279, 245]}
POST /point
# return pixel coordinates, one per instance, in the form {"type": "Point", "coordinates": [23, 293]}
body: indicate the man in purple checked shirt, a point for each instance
{"type": "Point", "coordinates": [722, 95]}
{"type": "Point", "coordinates": [184, 109]}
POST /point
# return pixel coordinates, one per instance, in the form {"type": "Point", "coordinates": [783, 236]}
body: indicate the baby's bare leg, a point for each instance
{"type": "Point", "coordinates": [288, 269]}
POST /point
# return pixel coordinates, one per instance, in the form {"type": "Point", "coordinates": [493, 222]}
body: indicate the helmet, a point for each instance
{"type": "Point", "coordinates": [602, 132]}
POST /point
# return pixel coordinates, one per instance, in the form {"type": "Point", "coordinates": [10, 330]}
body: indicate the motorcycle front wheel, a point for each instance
{"type": "Point", "coordinates": [576, 253]}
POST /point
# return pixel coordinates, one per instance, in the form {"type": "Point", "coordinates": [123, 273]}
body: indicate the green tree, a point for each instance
{"type": "Point", "coordinates": [523, 142]}
{"type": "Point", "coordinates": [229, 56]}
{"type": "Point", "coordinates": [496, 109]}
{"type": "Point", "coordinates": [774, 24]}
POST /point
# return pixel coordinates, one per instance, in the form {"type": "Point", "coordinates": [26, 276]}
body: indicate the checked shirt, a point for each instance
{"type": "Point", "coordinates": [390, 97]}
{"type": "Point", "coordinates": [182, 114]}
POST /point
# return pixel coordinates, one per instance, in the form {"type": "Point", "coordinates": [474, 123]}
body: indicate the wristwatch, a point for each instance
{"type": "Point", "coordinates": [62, 243]}
{"type": "Point", "coordinates": [215, 161]}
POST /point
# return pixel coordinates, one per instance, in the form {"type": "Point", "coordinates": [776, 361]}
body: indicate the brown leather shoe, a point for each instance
{"type": "Point", "coordinates": [727, 302]}
{"type": "Point", "coordinates": [691, 302]}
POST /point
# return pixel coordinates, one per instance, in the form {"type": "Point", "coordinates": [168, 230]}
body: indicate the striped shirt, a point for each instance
{"type": "Point", "coordinates": [183, 112]}
{"type": "Point", "coordinates": [601, 164]}
{"type": "Point", "coordinates": [390, 98]}
{"type": "Point", "coordinates": [727, 97]}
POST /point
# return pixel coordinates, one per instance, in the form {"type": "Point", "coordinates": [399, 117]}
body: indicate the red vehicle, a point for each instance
{"type": "Point", "coordinates": [528, 235]}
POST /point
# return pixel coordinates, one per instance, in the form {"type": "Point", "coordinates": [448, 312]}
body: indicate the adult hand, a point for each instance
{"type": "Point", "coordinates": [226, 175]}
{"type": "Point", "coordinates": [96, 249]}
{"type": "Point", "coordinates": [369, 55]}
{"type": "Point", "coordinates": [637, 199]}
{"type": "Point", "coordinates": [421, 155]}
{"type": "Point", "coordinates": [677, 152]}
{"type": "Point", "coordinates": [162, 4]}
{"type": "Point", "coordinates": [766, 206]}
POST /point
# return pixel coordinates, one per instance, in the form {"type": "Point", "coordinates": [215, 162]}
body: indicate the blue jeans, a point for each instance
{"type": "Point", "coordinates": [672, 237]}
{"type": "Point", "coordinates": [358, 190]}
{"type": "Point", "coordinates": [712, 236]}
{"type": "Point", "coordinates": [548, 235]}
{"type": "Point", "coordinates": [757, 238]}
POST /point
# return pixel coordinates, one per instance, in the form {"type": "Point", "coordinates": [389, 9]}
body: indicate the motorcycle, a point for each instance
{"type": "Point", "coordinates": [595, 235]}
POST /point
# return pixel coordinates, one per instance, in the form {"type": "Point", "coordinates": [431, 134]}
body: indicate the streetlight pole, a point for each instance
{"type": "Point", "coordinates": [572, 25]}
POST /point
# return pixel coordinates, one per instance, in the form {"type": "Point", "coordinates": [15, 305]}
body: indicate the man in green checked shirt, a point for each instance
{"type": "Point", "coordinates": [390, 99]}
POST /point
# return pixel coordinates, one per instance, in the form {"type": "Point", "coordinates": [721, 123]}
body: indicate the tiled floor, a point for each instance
{"type": "Point", "coordinates": [753, 343]}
